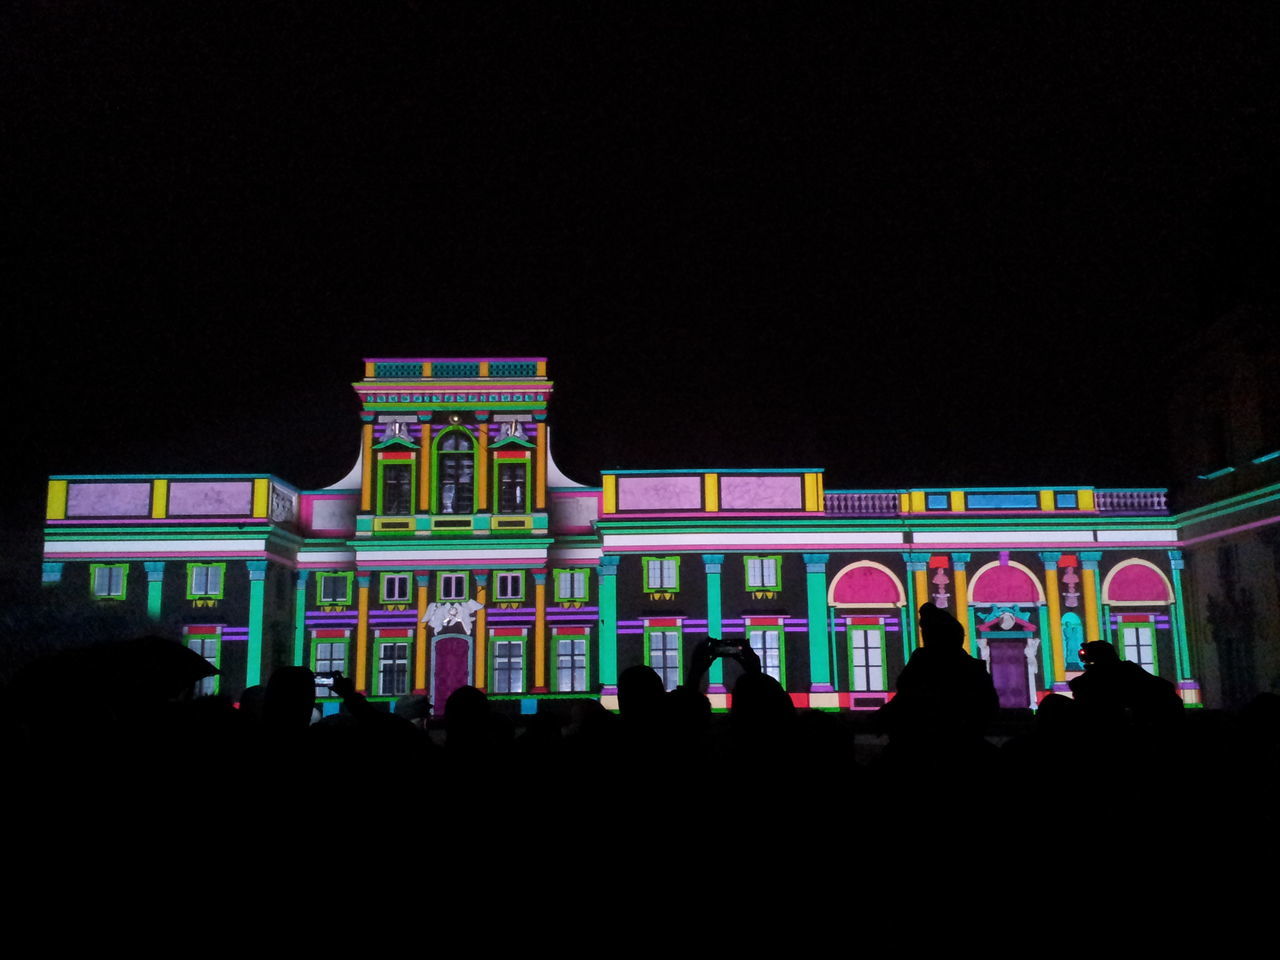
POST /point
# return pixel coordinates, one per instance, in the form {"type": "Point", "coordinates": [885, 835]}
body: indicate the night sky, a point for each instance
{"type": "Point", "coordinates": [915, 245]}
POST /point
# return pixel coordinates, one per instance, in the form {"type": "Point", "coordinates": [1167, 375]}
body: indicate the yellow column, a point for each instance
{"type": "Point", "coordinates": [160, 499]}
{"type": "Point", "coordinates": [1055, 619]}
{"type": "Point", "coordinates": [711, 492]}
{"type": "Point", "coordinates": [57, 504]}
{"type": "Point", "coordinates": [961, 590]}
{"type": "Point", "coordinates": [609, 495]}
{"type": "Point", "coordinates": [540, 491]}
{"type": "Point", "coordinates": [482, 471]}
{"type": "Point", "coordinates": [540, 630]}
{"type": "Point", "coordinates": [424, 470]}
{"type": "Point", "coordinates": [362, 633]}
{"type": "Point", "coordinates": [366, 467]}
{"type": "Point", "coordinates": [921, 578]}
{"type": "Point", "coordinates": [1091, 631]}
{"type": "Point", "coordinates": [420, 637]}
{"type": "Point", "coordinates": [482, 638]}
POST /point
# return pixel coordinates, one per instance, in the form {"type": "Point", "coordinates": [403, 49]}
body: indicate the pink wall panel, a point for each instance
{"type": "Point", "coordinates": [761, 493]}
{"type": "Point", "coordinates": [659, 493]}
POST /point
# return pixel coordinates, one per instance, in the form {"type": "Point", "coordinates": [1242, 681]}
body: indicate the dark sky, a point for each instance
{"type": "Point", "coordinates": [914, 244]}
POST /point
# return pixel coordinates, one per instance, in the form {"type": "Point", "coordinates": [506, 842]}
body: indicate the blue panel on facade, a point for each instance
{"type": "Point", "coordinates": [937, 501]}
{"type": "Point", "coordinates": [528, 706]}
{"type": "Point", "coordinates": [397, 370]}
{"type": "Point", "coordinates": [439, 369]}
{"type": "Point", "coordinates": [1003, 501]}
{"type": "Point", "coordinates": [1067, 501]}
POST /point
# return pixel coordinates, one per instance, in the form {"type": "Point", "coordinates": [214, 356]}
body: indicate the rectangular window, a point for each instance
{"type": "Point", "coordinates": [333, 587]}
{"type": "Point", "coordinates": [866, 658]}
{"type": "Point", "coordinates": [395, 587]}
{"type": "Point", "coordinates": [451, 586]}
{"type": "Point", "coordinates": [393, 669]}
{"type": "Point", "coordinates": [205, 580]}
{"type": "Point", "coordinates": [397, 489]}
{"type": "Point", "coordinates": [508, 666]}
{"type": "Point", "coordinates": [661, 574]}
{"type": "Point", "coordinates": [512, 497]}
{"type": "Point", "coordinates": [510, 586]}
{"type": "Point", "coordinates": [662, 646]}
{"type": "Point", "coordinates": [108, 579]}
{"type": "Point", "coordinates": [767, 644]}
{"type": "Point", "coordinates": [762, 572]}
{"type": "Point", "coordinates": [328, 656]}
{"type": "Point", "coordinates": [1140, 645]}
{"type": "Point", "coordinates": [571, 585]}
{"type": "Point", "coordinates": [207, 645]}
{"type": "Point", "coordinates": [571, 662]}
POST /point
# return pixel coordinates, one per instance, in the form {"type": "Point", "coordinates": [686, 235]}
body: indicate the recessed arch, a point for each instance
{"type": "Point", "coordinates": [1009, 582]}
{"type": "Point", "coordinates": [1136, 583]}
{"type": "Point", "coordinates": [866, 583]}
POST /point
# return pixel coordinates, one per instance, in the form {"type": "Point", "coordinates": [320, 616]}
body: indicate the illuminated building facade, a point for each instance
{"type": "Point", "coordinates": [456, 552]}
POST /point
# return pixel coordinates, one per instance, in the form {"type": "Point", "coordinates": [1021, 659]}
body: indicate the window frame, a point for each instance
{"type": "Point", "coordinates": [380, 660]}
{"type": "Point", "coordinates": [438, 455]}
{"type": "Point", "coordinates": [461, 576]}
{"type": "Point", "coordinates": [498, 464]}
{"type": "Point", "coordinates": [761, 652]}
{"type": "Point", "coordinates": [868, 628]}
{"type": "Point", "coordinates": [650, 587]}
{"type": "Point", "coordinates": [328, 576]}
{"type": "Point", "coordinates": [496, 639]}
{"type": "Point", "coordinates": [383, 466]}
{"type": "Point", "coordinates": [124, 580]}
{"type": "Point", "coordinates": [572, 635]}
{"type": "Point", "coordinates": [1138, 626]}
{"type": "Point", "coordinates": [192, 593]}
{"type": "Point", "coordinates": [775, 560]}
{"type": "Point", "coordinates": [571, 572]}
{"type": "Point", "coordinates": [382, 587]}
{"type": "Point", "coordinates": [678, 630]}
{"type": "Point", "coordinates": [503, 576]}
{"type": "Point", "coordinates": [213, 683]}
{"type": "Point", "coordinates": [316, 642]}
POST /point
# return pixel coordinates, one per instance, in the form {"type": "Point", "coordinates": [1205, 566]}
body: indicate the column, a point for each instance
{"type": "Point", "coordinates": [420, 636]}
{"type": "Point", "coordinates": [715, 618]}
{"type": "Point", "coordinates": [1053, 601]}
{"type": "Point", "coordinates": [961, 589]}
{"type": "Point", "coordinates": [1089, 562]}
{"type": "Point", "coordinates": [815, 569]}
{"type": "Point", "coordinates": [362, 632]}
{"type": "Point", "coordinates": [257, 589]}
{"type": "Point", "coordinates": [917, 564]}
{"type": "Point", "coordinates": [155, 587]}
{"type": "Point", "coordinates": [300, 619]}
{"type": "Point", "coordinates": [366, 465]}
{"type": "Point", "coordinates": [608, 594]}
{"type": "Point", "coordinates": [482, 635]}
{"type": "Point", "coordinates": [482, 466]}
{"type": "Point", "coordinates": [424, 463]}
{"type": "Point", "coordinates": [1178, 620]}
{"type": "Point", "coordinates": [539, 631]}
{"type": "Point", "coordinates": [540, 490]}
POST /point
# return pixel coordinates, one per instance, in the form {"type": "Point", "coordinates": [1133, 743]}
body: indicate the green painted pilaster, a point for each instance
{"type": "Point", "coordinates": [815, 567]}
{"type": "Point", "coordinates": [915, 562]}
{"type": "Point", "coordinates": [257, 587]}
{"type": "Point", "coordinates": [300, 620]}
{"type": "Point", "coordinates": [609, 623]}
{"type": "Point", "coordinates": [715, 618]}
{"type": "Point", "coordinates": [1178, 620]}
{"type": "Point", "coordinates": [1046, 647]}
{"type": "Point", "coordinates": [155, 587]}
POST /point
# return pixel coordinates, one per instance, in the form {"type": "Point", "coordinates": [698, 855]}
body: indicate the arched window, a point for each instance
{"type": "Point", "coordinates": [455, 472]}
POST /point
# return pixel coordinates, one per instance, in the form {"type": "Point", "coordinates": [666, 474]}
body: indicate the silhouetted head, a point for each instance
{"type": "Point", "coordinates": [939, 628]}
{"type": "Point", "coordinates": [760, 701]}
{"type": "Point", "coordinates": [640, 692]}
{"type": "Point", "coordinates": [291, 693]}
{"type": "Point", "coordinates": [1098, 652]}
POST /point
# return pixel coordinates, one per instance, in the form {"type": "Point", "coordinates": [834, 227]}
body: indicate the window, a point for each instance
{"type": "Point", "coordinates": [204, 580]}
{"type": "Point", "coordinates": [571, 660]}
{"type": "Point", "coordinates": [512, 497]}
{"type": "Point", "coordinates": [570, 585]}
{"type": "Point", "coordinates": [508, 666]}
{"type": "Point", "coordinates": [451, 586]}
{"type": "Point", "coordinates": [455, 472]}
{"type": "Point", "coordinates": [866, 657]}
{"type": "Point", "coordinates": [396, 497]}
{"type": "Point", "coordinates": [763, 573]}
{"type": "Point", "coordinates": [510, 586]}
{"type": "Point", "coordinates": [661, 574]}
{"type": "Point", "coordinates": [108, 579]}
{"type": "Point", "coordinates": [1140, 644]}
{"type": "Point", "coordinates": [662, 648]}
{"type": "Point", "coordinates": [393, 669]}
{"type": "Point", "coordinates": [207, 645]}
{"type": "Point", "coordinates": [328, 656]}
{"type": "Point", "coordinates": [333, 587]}
{"type": "Point", "coordinates": [767, 644]}
{"type": "Point", "coordinates": [395, 588]}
